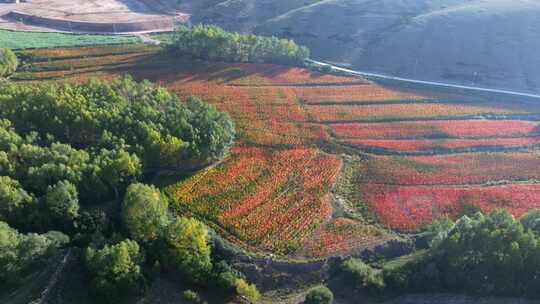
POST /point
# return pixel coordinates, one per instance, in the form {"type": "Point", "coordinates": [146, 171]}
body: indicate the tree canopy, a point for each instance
{"type": "Point", "coordinates": [211, 42]}
{"type": "Point", "coordinates": [116, 269]}
{"type": "Point", "coordinates": [8, 62]}
{"type": "Point", "coordinates": [144, 212]}
{"type": "Point", "coordinates": [160, 129]}
{"type": "Point", "coordinates": [189, 250]}
{"type": "Point", "coordinates": [21, 253]}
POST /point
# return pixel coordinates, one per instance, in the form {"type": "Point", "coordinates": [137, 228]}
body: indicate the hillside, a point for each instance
{"type": "Point", "coordinates": [487, 43]}
{"type": "Point", "coordinates": [323, 166]}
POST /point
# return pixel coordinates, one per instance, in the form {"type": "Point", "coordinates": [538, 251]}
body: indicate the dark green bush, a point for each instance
{"type": "Point", "coordinates": [319, 295]}
{"type": "Point", "coordinates": [191, 296]}
{"type": "Point", "coordinates": [362, 275]}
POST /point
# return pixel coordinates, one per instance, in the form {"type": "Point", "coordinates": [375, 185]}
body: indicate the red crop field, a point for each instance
{"type": "Point", "coordinates": [409, 207]}
{"type": "Point", "coordinates": [453, 169]}
{"type": "Point", "coordinates": [419, 145]}
{"type": "Point", "coordinates": [432, 129]}
{"type": "Point", "coordinates": [274, 191]}
{"type": "Point", "coordinates": [351, 93]}
{"type": "Point", "coordinates": [269, 74]}
{"type": "Point", "coordinates": [269, 199]}
{"type": "Point", "coordinates": [374, 112]}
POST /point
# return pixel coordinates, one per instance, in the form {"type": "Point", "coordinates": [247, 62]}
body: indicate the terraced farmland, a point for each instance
{"type": "Point", "coordinates": [285, 188]}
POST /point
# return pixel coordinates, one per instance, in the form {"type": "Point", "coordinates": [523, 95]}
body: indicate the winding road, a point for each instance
{"type": "Point", "coordinates": [431, 83]}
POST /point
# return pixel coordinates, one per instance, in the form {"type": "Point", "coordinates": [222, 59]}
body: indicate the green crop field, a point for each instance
{"type": "Point", "coordinates": [25, 40]}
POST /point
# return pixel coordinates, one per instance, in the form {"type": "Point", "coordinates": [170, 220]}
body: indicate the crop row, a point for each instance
{"type": "Point", "coordinates": [267, 199]}
{"type": "Point", "coordinates": [269, 74]}
{"type": "Point", "coordinates": [436, 129]}
{"type": "Point", "coordinates": [374, 112]}
{"type": "Point", "coordinates": [409, 207]}
{"type": "Point", "coordinates": [335, 94]}
{"type": "Point", "coordinates": [454, 169]}
{"type": "Point", "coordinates": [48, 54]}
{"type": "Point", "coordinates": [419, 145]}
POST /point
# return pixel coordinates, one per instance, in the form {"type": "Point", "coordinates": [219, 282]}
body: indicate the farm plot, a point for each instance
{"type": "Point", "coordinates": [439, 136]}
{"type": "Point", "coordinates": [351, 94]}
{"type": "Point", "coordinates": [342, 236]}
{"type": "Point", "coordinates": [463, 129]}
{"type": "Point", "coordinates": [405, 111]}
{"type": "Point", "coordinates": [24, 40]}
{"type": "Point", "coordinates": [274, 191]}
{"type": "Point", "coordinates": [271, 200]}
{"type": "Point", "coordinates": [455, 169]}
{"type": "Point", "coordinates": [419, 146]}
{"type": "Point", "coordinates": [407, 208]}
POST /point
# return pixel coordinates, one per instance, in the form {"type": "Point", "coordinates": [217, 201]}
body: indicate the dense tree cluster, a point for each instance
{"type": "Point", "coordinates": [213, 43]}
{"type": "Point", "coordinates": [72, 158]}
{"type": "Point", "coordinates": [492, 254]}
{"type": "Point", "coordinates": [8, 62]}
{"type": "Point", "coordinates": [123, 114]}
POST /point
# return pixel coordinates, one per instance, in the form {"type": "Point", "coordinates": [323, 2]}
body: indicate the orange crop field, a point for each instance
{"type": "Point", "coordinates": [272, 199]}
{"type": "Point", "coordinates": [437, 129]}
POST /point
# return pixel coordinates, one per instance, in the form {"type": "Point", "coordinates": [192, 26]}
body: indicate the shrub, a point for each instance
{"type": "Point", "coordinates": [191, 296]}
{"type": "Point", "coordinates": [363, 275]}
{"type": "Point", "coordinates": [247, 290]}
{"type": "Point", "coordinates": [8, 62]}
{"type": "Point", "coordinates": [319, 295]}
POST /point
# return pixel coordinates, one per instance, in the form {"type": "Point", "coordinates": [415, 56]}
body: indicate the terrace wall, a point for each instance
{"type": "Point", "coordinates": [160, 24]}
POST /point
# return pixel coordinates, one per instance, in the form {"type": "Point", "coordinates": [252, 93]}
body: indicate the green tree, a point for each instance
{"type": "Point", "coordinates": [22, 254]}
{"type": "Point", "coordinates": [115, 269]}
{"type": "Point", "coordinates": [187, 239]}
{"type": "Point", "coordinates": [62, 203]}
{"type": "Point", "coordinates": [531, 220]}
{"type": "Point", "coordinates": [15, 202]}
{"type": "Point", "coordinates": [144, 211]}
{"type": "Point", "coordinates": [319, 295]}
{"type": "Point", "coordinates": [247, 290]}
{"type": "Point", "coordinates": [8, 62]}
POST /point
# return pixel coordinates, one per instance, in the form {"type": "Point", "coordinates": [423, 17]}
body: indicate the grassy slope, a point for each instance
{"type": "Point", "coordinates": [24, 40]}
{"type": "Point", "coordinates": [244, 15]}
{"type": "Point", "coordinates": [498, 37]}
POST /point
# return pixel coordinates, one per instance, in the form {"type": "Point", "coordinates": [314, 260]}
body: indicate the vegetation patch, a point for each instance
{"type": "Point", "coordinates": [28, 40]}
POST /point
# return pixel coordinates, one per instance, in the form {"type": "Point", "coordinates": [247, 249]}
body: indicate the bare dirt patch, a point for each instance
{"type": "Point", "coordinates": [103, 16]}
